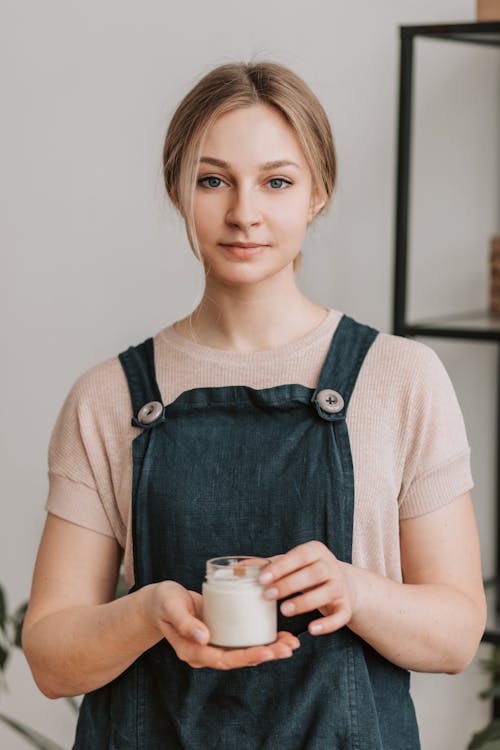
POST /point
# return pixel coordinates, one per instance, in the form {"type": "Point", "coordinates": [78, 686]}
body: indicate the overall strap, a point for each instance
{"type": "Point", "coordinates": [348, 349]}
{"type": "Point", "coordinates": [138, 363]}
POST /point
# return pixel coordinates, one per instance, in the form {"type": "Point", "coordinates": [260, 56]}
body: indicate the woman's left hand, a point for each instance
{"type": "Point", "coordinates": [324, 582]}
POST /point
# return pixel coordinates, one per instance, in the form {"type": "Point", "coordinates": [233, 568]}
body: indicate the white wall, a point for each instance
{"type": "Point", "coordinates": [94, 258]}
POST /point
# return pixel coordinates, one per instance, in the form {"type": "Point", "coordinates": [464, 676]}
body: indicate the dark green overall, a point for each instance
{"type": "Point", "coordinates": [236, 470]}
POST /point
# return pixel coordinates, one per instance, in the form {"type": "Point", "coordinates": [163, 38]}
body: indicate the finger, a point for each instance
{"type": "Point", "coordinates": [331, 623]}
{"type": "Point", "coordinates": [235, 659]}
{"type": "Point", "coordinates": [194, 654]}
{"type": "Point", "coordinates": [272, 558]}
{"type": "Point", "coordinates": [298, 557]}
{"type": "Point", "coordinates": [220, 658]}
{"type": "Point", "coordinates": [184, 622]}
{"type": "Point", "coordinates": [327, 594]}
{"type": "Point", "coordinates": [198, 604]}
{"type": "Point", "coordinates": [289, 639]}
{"type": "Point", "coordinates": [301, 580]}
{"type": "Point", "coordinates": [282, 647]}
{"type": "Point", "coordinates": [247, 657]}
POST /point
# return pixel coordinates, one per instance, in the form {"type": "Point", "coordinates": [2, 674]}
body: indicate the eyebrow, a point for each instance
{"type": "Point", "coordinates": [263, 167]}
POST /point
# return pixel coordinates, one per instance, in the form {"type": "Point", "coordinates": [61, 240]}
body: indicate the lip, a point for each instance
{"type": "Point", "coordinates": [240, 251]}
{"type": "Point", "coordinates": [242, 244]}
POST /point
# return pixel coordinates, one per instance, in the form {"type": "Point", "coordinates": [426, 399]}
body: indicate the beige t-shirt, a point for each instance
{"type": "Point", "coordinates": [408, 440]}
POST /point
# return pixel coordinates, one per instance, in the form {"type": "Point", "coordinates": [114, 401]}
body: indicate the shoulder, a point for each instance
{"type": "Point", "coordinates": [418, 386]}
{"type": "Point", "coordinates": [402, 362]}
{"type": "Point", "coordinates": [99, 381]}
{"type": "Point", "coordinates": [407, 350]}
{"type": "Point", "coordinates": [405, 383]}
{"type": "Point", "coordinates": [98, 396]}
{"type": "Point", "coordinates": [103, 390]}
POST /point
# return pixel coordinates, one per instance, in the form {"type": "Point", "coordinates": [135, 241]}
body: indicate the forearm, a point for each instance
{"type": "Point", "coordinates": [81, 648]}
{"type": "Point", "coordinates": [422, 627]}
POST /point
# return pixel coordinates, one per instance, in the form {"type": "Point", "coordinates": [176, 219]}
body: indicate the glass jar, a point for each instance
{"type": "Point", "coordinates": [234, 608]}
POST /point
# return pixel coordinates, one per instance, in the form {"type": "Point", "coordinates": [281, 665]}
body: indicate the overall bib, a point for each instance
{"type": "Point", "coordinates": [238, 471]}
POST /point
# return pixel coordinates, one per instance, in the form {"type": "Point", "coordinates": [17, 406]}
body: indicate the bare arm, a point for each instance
{"type": "Point", "coordinates": [76, 638]}
{"type": "Point", "coordinates": [431, 622]}
{"type": "Point", "coordinates": [434, 620]}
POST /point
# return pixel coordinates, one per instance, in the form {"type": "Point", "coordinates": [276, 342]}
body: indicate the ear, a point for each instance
{"type": "Point", "coordinates": [317, 202]}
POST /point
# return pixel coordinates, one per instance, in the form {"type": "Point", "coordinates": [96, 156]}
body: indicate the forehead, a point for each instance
{"type": "Point", "coordinates": [256, 134]}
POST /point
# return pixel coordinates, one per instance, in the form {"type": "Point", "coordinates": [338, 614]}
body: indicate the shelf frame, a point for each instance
{"type": "Point", "coordinates": [458, 325]}
{"type": "Point", "coordinates": [477, 32]}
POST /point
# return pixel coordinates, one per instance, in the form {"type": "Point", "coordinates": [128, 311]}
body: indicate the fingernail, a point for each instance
{"type": "Point", "coordinates": [271, 593]}
{"type": "Point", "coordinates": [315, 628]}
{"type": "Point", "coordinates": [287, 608]}
{"type": "Point", "coordinates": [198, 635]}
{"type": "Point", "coordinates": [265, 577]}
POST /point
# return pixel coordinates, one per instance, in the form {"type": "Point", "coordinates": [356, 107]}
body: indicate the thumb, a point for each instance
{"type": "Point", "coordinates": [182, 616]}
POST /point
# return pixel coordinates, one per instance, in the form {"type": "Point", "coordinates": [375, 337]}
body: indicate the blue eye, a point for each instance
{"type": "Point", "coordinates": [208, 177]}
{"type": "Point", "coordinates": [203, 180]}
{"type": "Point", "coordinates": [281, 179]}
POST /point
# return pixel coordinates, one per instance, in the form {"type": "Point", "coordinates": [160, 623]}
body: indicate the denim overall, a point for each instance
{"type": "Point", "coordinates": [234, 470]}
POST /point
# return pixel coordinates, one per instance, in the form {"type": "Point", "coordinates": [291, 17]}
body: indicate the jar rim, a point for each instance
{"type": "Point", "coordinates": [241, 564]}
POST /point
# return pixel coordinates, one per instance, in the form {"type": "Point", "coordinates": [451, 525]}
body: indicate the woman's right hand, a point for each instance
{"type": "Point", "coordinates": [177, 611]}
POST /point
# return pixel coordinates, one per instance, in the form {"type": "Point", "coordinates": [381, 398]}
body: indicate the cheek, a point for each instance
{"type": "Point", "coordinates": [203, 218]}
{"type": "Point", "coordinates": [290, 224]}
{"type": "Point", "coordinates": [292, 212]}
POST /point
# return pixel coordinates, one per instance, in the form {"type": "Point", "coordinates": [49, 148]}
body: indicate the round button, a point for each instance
{"type": "Point", "coordinates": [149, 412]}
{"type": "Point", "coordinates": [330, 401]}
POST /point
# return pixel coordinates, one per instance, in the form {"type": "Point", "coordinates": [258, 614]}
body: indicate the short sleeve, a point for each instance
{"type": "Point", "coordinates": [76, 448]}
{"type": "Point", "coordinates": [436, 452]}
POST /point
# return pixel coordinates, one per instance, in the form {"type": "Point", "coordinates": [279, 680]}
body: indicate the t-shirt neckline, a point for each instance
{"type": "Point", "coordinates": [200, 351]}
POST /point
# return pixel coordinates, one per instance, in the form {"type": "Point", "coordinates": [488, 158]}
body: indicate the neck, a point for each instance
{"type": "Point", "coordinates": [248, 320]}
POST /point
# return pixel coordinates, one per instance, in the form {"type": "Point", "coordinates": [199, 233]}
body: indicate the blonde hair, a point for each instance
{"type": "Point", "coordinates": [232, 86]}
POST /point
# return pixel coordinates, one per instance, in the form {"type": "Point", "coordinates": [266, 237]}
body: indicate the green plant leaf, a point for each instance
{"type": "Point", "coordinates": [492, 664]}
{"type": "Point", "coordinates": [73, 703]}
{"type": "Point", "coordinates": [491, 692]}
{"type": "Point", "coordinates": [487, 739]}
{"type": "Point", "coordinates": [34, 738]}
{"type": "Point", "coordinates": [3, 609]}
{"type": "Point", "coordinates": [4, 656]}
{"type": "Point", "coordinates": [17, 620]}
{"type": "Point", "coordinates": [493, 745]}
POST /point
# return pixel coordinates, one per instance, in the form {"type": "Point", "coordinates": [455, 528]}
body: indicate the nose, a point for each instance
{"type": "Point", "coordinates": [243, 210]}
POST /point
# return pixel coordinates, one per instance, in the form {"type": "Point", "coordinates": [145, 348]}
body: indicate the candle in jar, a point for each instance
{"type": "Point", "coordinates": [234, 608]}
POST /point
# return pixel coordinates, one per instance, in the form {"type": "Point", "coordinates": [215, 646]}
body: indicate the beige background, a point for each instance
{"type": "Point", "coordinates": [94, 259]}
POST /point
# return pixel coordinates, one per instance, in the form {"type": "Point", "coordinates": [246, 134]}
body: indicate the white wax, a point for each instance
{"type": "Point", "coordinates": [236, 613]}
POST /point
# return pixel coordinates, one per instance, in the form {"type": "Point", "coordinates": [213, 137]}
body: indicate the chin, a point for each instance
{"type": "Point", "coordinates": [244, 273]}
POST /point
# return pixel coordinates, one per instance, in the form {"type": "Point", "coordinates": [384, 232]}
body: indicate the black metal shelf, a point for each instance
{"type": "Point", "coordinates": [477, 325]}
{"type": "Point", "coordinates": [478, 32]}
{"type": "Point", "coordinates": [474, 324]}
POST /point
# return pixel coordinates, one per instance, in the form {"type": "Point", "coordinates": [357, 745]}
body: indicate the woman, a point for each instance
{"type": "Point", "coordinates": [262, 423]}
